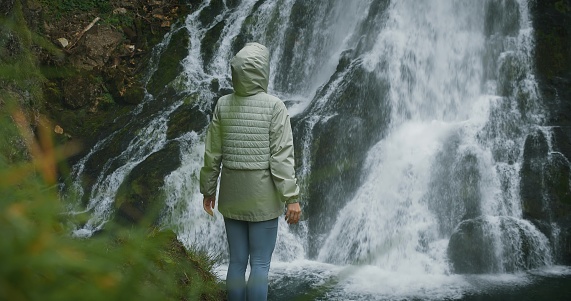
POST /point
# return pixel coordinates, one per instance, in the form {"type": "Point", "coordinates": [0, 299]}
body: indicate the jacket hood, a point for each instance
{"type": "Point", "coordinates": [251, 70]}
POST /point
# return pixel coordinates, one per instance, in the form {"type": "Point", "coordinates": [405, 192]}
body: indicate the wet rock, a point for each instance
{"type": "Point", "coordinates": [497, 245]}
{"type": "Point", "coordinates": [502, 17]}
{"type": "Point", "coordinates": [545, 189]}
{"type": "Point", "coordinates": [532, 176]}
{"type": "Point", "coordinates": [169, 66]}
{"type": "Point", "coordinates": [184, 119]}
{"type": "Point", "coordinates": [348, 123]}
{"type": "Point", "coordinates": [139, 198]}
{"type": "Point", "coordinates": [557, 176]}
{"type": "Point", "coordinates": [210, 42]}
{"type": "Point", "coordinates": [454, 191]}
{"type": "Point", "coordinates": [209, 13]}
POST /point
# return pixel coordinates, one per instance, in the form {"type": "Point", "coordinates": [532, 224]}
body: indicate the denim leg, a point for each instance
{"type": "Point", "coordinates": [237, 235]}
{"type": "Point", "coordinates": [262, 241]}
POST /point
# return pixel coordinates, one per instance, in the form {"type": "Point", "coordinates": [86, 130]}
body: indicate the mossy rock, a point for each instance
{"type": "Point", "coordinates": [532, 175]}
{"type": "Point", "coordinates": [210, 42]}
{"type": "Point", "coordinates": [184, 119]}
{"type": "Point", "coordinates": [474, 245]}
{"type": "Point", "coordinates": [169, 66]}
{"type": "Point", "coordinates": [358, 109]}
{"type": "Point", "coordinates": [81, 90]}
{"type": "Point", "coordinates": [139, 198]}
{"type": "Point", "coordinates": [123, 87]}
{"type": "Point", "coordinates": [209, 13]}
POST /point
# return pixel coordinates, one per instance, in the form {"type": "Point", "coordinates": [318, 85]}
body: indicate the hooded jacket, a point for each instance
{"type": "Point", "coordinates": [250, 136]}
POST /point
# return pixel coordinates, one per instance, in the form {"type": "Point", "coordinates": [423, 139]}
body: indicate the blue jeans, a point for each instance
{"type": "Point", "coordinates": [254, 240]}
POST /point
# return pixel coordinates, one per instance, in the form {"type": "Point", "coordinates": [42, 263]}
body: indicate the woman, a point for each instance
{"type": "Point", "coordinates": [250, 135]}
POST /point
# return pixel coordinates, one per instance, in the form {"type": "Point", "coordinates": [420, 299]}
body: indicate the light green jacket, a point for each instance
{"type": "Point", "coordinates": [250, 136]}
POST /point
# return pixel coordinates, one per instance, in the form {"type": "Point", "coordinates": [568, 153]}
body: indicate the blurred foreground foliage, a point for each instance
{"type": "Point", "coordinates": [39, 259]}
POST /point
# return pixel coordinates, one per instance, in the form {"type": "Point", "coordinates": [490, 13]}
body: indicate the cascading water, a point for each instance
{"type": "Point", "coordinates": [409, 119]}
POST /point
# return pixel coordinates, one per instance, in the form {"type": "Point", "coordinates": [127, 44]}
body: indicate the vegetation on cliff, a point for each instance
{"type": "Point", "coordinates": [52, 96]}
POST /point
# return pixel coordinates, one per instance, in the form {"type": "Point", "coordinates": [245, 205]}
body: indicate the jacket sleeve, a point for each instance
{"type": "Point", "coordinates": [212, 157]}
{"type": "Point", "coordinates": [282, 155]}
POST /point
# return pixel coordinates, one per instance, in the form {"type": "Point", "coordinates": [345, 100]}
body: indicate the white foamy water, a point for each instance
{"type": "Point", "coordinates": [446, 84]}
{"type": "Point", "coordinates": [385, 243]}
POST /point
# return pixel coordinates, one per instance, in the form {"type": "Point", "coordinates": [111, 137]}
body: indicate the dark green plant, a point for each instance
{"type": "Point", "coordinates": [40, 259]}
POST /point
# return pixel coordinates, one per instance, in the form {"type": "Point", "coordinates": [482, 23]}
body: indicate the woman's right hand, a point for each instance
{"type": "Point", "coordinates": [208, 204]}
{"type": "Point", "coordinates": [293, 213]}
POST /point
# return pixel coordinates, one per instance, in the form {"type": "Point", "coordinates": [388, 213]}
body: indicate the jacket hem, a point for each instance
{"type": "Point", "coordinates": [251, 218]}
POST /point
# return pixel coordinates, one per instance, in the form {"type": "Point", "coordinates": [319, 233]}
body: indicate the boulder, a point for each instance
{"type": "Point", "coordinates": [96, 49]}
{"type": "Point", "coordinates": [497, 245]}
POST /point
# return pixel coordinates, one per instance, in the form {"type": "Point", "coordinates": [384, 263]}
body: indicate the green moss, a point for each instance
{"type": "Point", "coordinates": [562, 6]}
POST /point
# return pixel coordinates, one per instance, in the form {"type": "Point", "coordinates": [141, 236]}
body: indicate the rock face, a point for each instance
{"type": "Point", "coordinates": [170, 62]}
{"type": "Point", "coordinates": [545, 192]}
{"type": "Point", "coordinates": [359, 109]}
{"type": "Point", "coordinates": [551, 19]}
{"type": "Point", "coordinates": [545, 175]}
{"type": "Point", "coordinates": [139, 198]}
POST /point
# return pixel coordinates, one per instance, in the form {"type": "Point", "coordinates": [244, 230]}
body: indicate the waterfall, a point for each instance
{"type": "Point", "coordinates": [409, 119]}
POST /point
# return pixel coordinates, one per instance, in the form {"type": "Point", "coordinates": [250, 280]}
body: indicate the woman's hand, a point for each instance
{"type": "Point", "coordinates": [208, 204]}
{"type": "Point", "coordinates": [293, 213]}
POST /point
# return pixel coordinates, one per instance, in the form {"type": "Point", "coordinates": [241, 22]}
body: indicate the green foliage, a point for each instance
{"type": "Point", "coordinates": [106, 101]}
{"type": "Point", "coordinates": [41, 261]}
{"type": "Point", "coordinates": [126, 19]}
{"type": "Point", "coordinates": [18, 69]}
{"type": "Point", "coordinates": [61, 8]}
